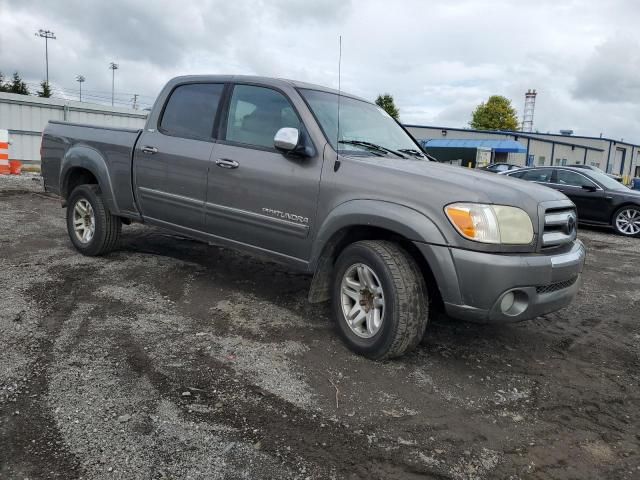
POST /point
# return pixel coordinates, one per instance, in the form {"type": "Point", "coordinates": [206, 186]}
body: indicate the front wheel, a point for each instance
{"type": "Point", "coordinates": [626, 221]}
{"type": "Point", "coordinates": [380, 299]}
{"type": "Point", "coordinates": [92, 228]}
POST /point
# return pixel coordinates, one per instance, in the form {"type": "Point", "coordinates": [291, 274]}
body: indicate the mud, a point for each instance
{"type": "Point", "coordinates": [174, 359]}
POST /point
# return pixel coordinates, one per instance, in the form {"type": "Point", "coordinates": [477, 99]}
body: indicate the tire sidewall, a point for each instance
{"type": "Point", "coordinates": [615, 223]}
{"type": "Point", "coordinates": [88, 193]}
{"type": "Point", "coordinates": [377, 345]}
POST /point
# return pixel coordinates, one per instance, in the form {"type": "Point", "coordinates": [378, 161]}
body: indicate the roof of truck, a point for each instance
{"type": "Point", "coordinates": [272, 81]}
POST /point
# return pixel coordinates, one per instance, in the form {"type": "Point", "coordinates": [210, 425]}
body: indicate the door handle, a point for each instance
{"type": "Point", "coordinates": [226, 163]}
{"type": "Point", "coordinates": [149, 150]}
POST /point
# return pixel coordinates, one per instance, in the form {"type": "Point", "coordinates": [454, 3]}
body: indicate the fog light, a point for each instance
{"type": "Point", "coordinates": [507, 302]}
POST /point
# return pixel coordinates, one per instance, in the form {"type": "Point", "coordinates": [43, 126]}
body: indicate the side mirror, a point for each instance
{"type": "Point", "coordinates": [286, 139]}
{"type": "Point", "coordinates": [589, 188]}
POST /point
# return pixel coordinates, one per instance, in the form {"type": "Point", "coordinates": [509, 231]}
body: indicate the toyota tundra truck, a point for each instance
{"type": "Point", "coordinates": [330, 185]}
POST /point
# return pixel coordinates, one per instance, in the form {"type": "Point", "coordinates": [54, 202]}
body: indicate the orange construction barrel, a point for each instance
{"type": "Point", "coordinates": [5, 168]}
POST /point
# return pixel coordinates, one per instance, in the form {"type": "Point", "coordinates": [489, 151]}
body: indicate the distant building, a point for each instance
{"type": "Point", "coordinates": [612, 156]}
{"type": "Point", "coordinates": [25, 116]}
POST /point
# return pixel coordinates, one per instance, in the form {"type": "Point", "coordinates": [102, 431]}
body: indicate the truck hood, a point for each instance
{"type": "Point", "coordinates": [458, 184]}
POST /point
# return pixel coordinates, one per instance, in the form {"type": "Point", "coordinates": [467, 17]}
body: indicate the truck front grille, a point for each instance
{"type": "Point", "coordinates": [560, 227]}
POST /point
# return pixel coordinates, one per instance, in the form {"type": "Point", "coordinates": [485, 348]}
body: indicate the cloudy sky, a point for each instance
{"type": "Point", "coordinates": [437, 58]}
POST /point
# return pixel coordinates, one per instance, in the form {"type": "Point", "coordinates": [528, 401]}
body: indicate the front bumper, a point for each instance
{"type": "Point", "coordinates": [479, 286]}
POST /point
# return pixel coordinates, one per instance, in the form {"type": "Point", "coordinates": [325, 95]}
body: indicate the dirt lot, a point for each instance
{"type": "Point", "coordinates": [174, 359]}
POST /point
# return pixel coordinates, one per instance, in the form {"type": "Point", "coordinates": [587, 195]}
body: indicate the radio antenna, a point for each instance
{"type": "Point", "coordinates": [336, 165]}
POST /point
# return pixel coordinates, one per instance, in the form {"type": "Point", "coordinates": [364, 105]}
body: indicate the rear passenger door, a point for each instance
{"type": "Point", "coordinates": [256, 195]}
{"type": "Point", "coordinates": [171, 163]}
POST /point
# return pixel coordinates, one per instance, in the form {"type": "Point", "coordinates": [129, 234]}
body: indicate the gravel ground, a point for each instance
{"type": "Point", "coordinates": [174, 359]}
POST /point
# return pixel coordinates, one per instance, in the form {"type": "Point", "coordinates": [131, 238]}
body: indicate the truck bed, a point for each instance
{"type": "Point", "coordinates": [113, 146]}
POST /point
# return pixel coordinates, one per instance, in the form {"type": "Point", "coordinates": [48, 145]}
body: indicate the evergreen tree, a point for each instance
{"type": "Point", "coordinates": [17, 85]}
{"type": "Point", "coordinates": [46, 90]}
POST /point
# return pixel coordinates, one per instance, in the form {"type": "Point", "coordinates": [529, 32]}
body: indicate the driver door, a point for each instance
{"type": "Point", "coordinates": [256, 195]}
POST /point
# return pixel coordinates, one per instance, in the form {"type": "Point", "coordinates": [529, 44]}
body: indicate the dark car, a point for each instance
{"type": "Point", "coordinates": [600, 199]}
{"type": "Point", "coordinates": [500, 167]}
{"type": "Point", "coordinates": [596, 169]}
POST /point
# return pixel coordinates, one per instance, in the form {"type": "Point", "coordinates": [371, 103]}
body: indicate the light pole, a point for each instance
{"type": "Point", "coordinates": [46, 34]}
{"type": "Point", "coordinates": [113, 67]}
{"type": "Point", "coordinates": [80, 79]}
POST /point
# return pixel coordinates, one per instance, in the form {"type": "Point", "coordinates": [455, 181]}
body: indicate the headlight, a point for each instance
{"type": "Point", "coordinates": [491, 223]}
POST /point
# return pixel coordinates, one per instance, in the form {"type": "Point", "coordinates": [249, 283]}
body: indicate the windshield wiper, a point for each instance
{"type": "Point", "coordinates": [373, 146]}
{"type": "Point", "coordinates": [411, 151]}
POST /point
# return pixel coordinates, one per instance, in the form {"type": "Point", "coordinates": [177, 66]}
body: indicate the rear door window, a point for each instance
{"type": "Point", "coordinates": [573, 179]}
{"type": "Point", "coordinates": [191, 110]}
{"type": "Point", "coordinates": [541, 175]}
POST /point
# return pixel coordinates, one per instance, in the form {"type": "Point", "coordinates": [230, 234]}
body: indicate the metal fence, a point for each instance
{"type": "Point", "coordinates": [25, 117]}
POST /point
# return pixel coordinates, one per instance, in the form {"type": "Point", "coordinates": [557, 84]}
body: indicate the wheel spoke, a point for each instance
{"type": "Point", "coordinates": [371, 328]}
{"type": "Point", "coordinates": [353, 294]}
{"type": "Point", "coordinates": [354, 311]}
{"type": "Point", "coordinates": [355, 285]}
{"type": "Point", "coordinates": [359, 318]}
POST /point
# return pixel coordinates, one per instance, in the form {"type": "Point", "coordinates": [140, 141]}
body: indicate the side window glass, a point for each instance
{"type": "Point", "coordinates": [566, 177]}
{"type": "Point", "coordinates": [256, 114]}
{"type": "Point", "coordinates": [541, 175]}
{"type": "Point", "coordinates": [191, 110]}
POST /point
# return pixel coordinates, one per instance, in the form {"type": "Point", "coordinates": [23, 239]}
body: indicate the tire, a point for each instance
{"type": "Point", "coordinates": [626, 221]}
{"type": "Point", "coordinates": [396, 283]}
{"type": "Point", "coordinates": [100, 232]}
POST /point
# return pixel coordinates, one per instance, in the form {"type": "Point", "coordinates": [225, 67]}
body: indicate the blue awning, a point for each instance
{"type": "Point", "coordinates": [496, 145]}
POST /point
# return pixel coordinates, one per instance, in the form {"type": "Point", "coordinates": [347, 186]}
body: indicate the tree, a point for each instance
{"type": "Point", "coordinates": [388, 105]}
{"type": "Point", "coordinates": [46, 90]}
{"type": "Point", "coordinates": [496, 114]}
{"type": "Point", "coordinates": [17, 85]}
{"type": "Point", "coordinates": [3, 87]}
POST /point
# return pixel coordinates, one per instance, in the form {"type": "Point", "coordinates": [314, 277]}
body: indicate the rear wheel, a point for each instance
{"type": "Point", "coordinates": [93, 230]}
{"type": "Point", "coordinates": [626, 221]}
{"type": "Point", "coordinates": [380, 299]}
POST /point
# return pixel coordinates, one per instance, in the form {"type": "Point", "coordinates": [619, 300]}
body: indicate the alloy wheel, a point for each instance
{"type": "Point", "coordinates": [84, 221]}
{"type": "Point", "coordinates": [362, 299]}
{"type": "Point", "coordinates": [628, 221]}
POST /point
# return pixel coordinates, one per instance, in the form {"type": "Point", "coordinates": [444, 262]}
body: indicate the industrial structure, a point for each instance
{"type": "Point", "coordinates": [539, 149]}
{"type": "Point", "coordinates": [25, 117]}
{"type": "Point", "coordinates": [529, 108]}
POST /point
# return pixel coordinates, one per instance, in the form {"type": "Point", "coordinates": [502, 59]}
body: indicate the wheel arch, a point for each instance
{"type": "Point", "coordinates": [371, 220]}
{"type": "Point", "coordinates": [84, 164]}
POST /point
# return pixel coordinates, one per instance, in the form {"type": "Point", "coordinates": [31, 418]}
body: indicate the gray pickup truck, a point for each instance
{"type": "Point", "coordinates": [330, 185]}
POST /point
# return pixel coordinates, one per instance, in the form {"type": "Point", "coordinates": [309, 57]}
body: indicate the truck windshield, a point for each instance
{"type": "Point", "coordinates": [365, 128]}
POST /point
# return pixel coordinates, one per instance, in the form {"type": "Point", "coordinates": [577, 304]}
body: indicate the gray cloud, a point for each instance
{"type": "Point", "coordinates": [611, 73]}
{"type": "Point", "coordinates": [439, 59]}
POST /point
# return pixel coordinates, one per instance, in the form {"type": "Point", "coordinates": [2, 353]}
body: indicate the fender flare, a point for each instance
{"type": "Point", "coordinates": [90, 159]}
{"type": "Point", "coordinates": [399, 219]}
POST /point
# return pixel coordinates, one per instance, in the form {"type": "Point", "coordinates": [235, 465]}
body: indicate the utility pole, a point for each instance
{"type": "Point", "coordinates": [113, 67]}
{"type": "Point", "coordinates": [80, 79]}
{"type": "Point", "coordinates": [135, 101]}
{"type": "Point", "coordinates": [46, 34]}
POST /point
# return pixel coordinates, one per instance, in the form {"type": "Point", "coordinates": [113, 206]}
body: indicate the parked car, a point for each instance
{"type": "Point", "coordinates": [600, 199]}
{"type": "Point", "coordinates": [259, 165]}
{"type": "Point", "coordinates": [596, 169]}
{"type": "Point", "coordinates": [500, 167]}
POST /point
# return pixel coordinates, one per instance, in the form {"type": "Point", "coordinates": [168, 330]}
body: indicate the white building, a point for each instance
{"type": "Point", "coordinates": [25, 117]}
{"type": "Point", "coordinates": [613, 156]}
